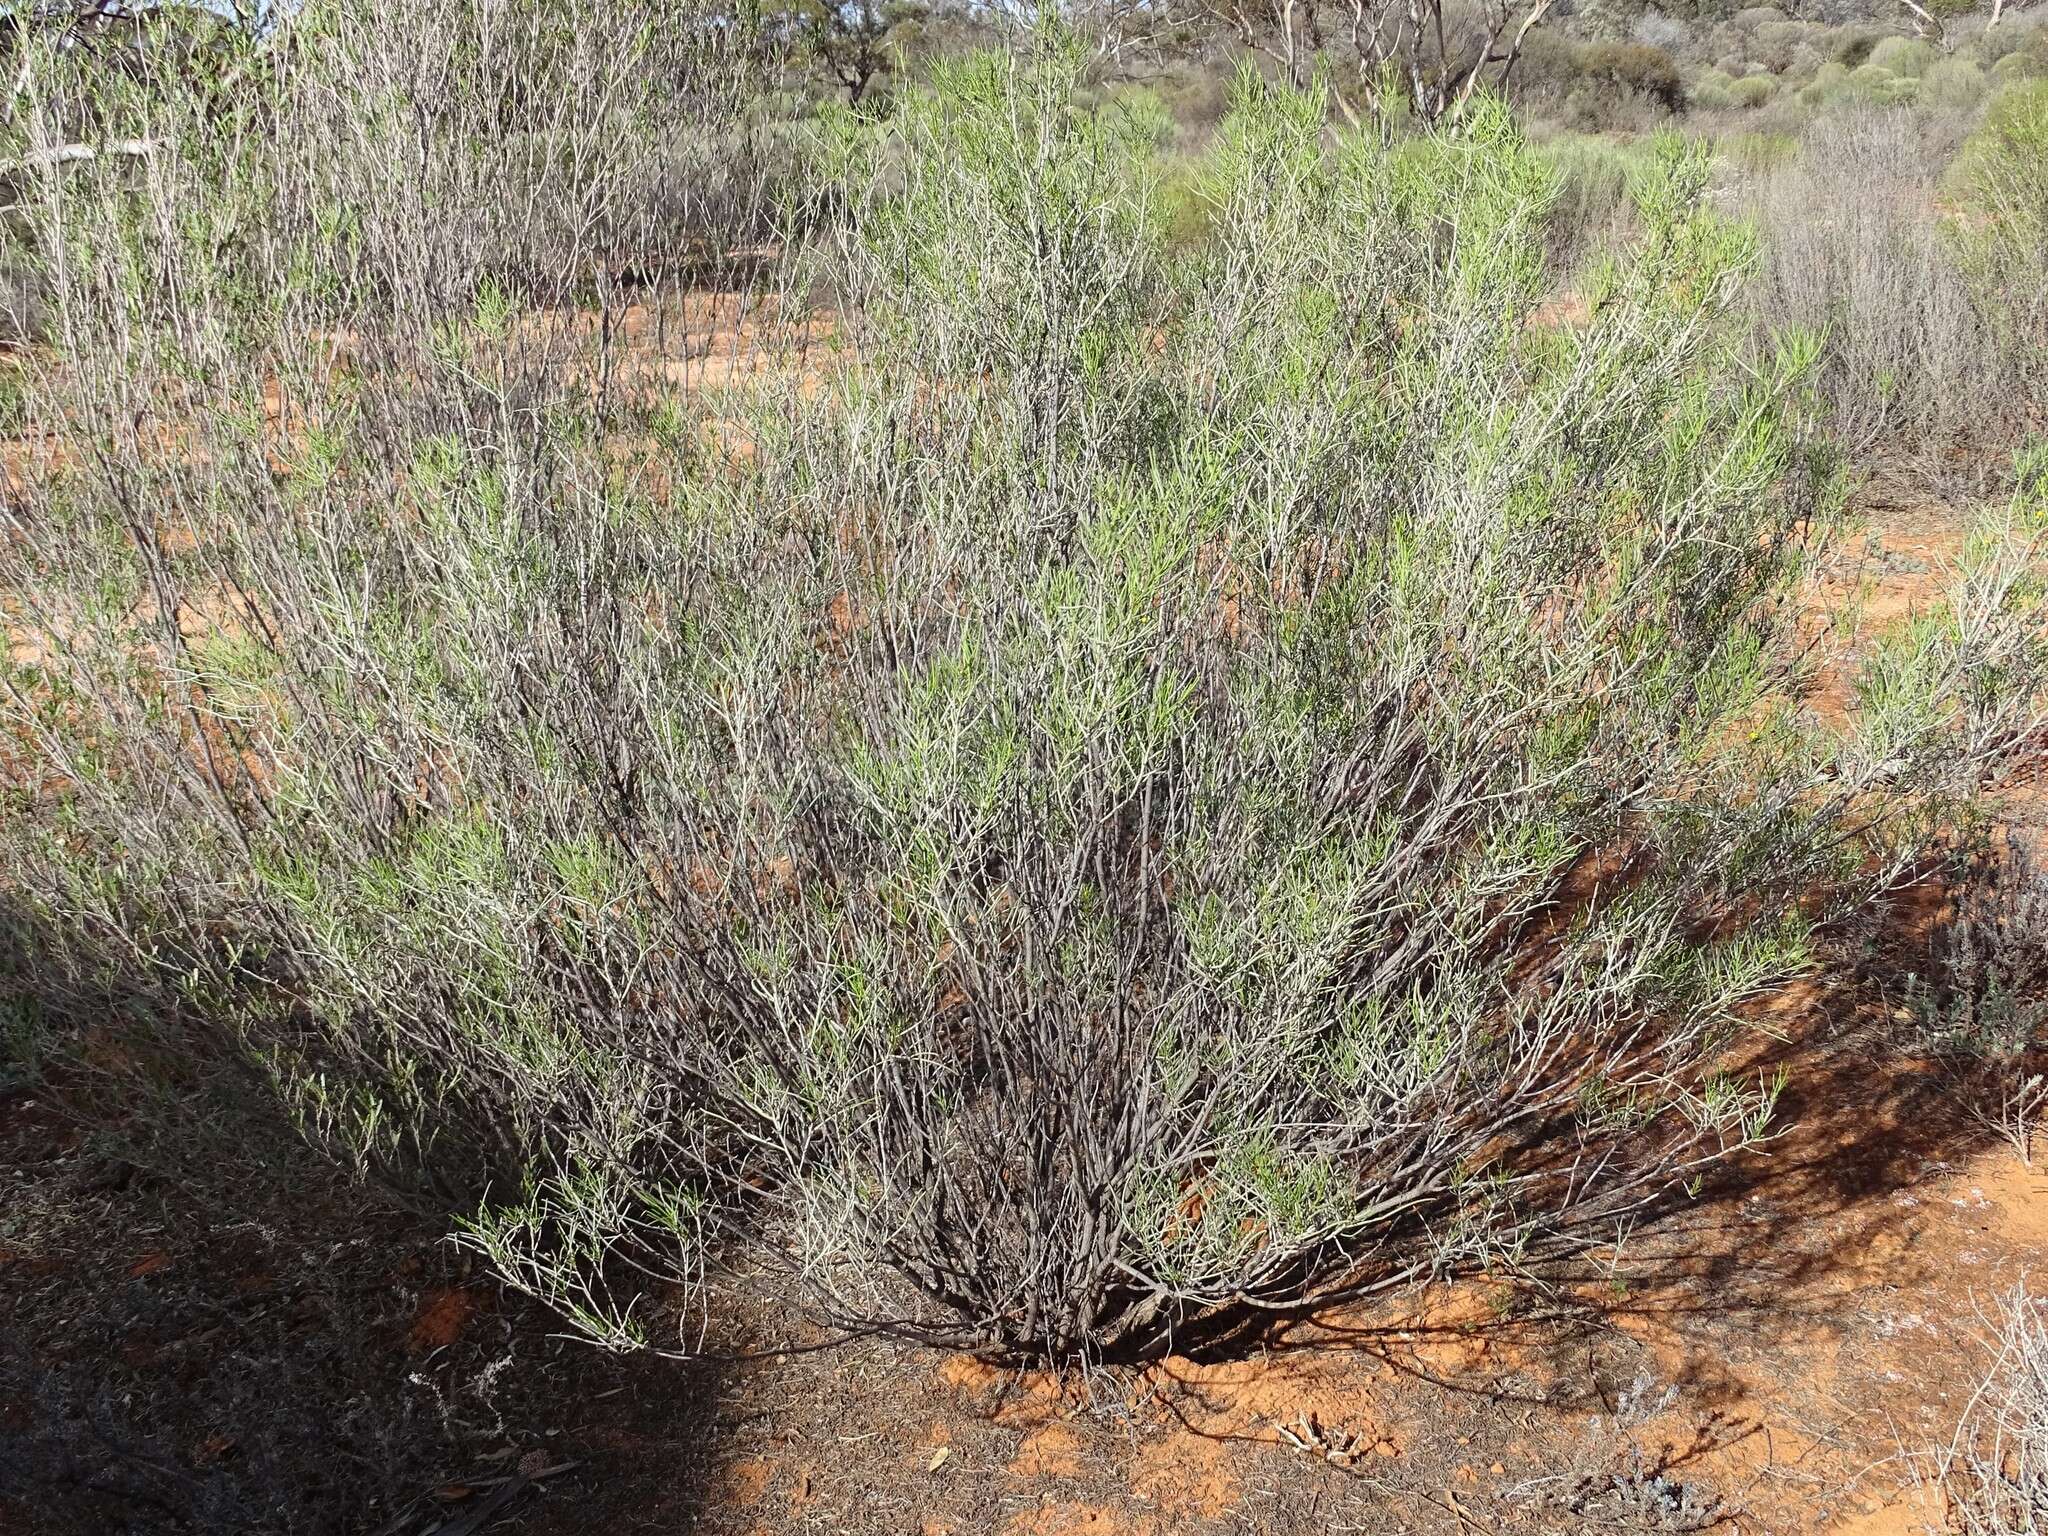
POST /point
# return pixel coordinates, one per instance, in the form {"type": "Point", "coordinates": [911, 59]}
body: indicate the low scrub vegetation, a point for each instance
{"type": "Point", "coordinates": [1207, 750]}
{"type": "Point", "coordinates": [2002, 230]}
{"type": "Point", "coordinates": [1912, 365]}
{"type": "Point", "coordinates": [1985, 993]}
{"type": "Point", "coordinates": [1922, 271]}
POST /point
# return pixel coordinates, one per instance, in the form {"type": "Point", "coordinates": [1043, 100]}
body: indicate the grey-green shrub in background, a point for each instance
{"type": "Point", "coordinates": [1917, 366]}
{"type": "Point", "coordinates": [1591, 209]}
{"type": "Point", "coordinates": [2001, 188]}
{"type": "Point", "coordinates": [1154, 783]}
{"type": "Point", "coordinates": [1752, 90]}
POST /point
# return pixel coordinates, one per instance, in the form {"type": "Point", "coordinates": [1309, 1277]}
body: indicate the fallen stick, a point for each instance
{"type": "Point", "coordinates": [66, 154]}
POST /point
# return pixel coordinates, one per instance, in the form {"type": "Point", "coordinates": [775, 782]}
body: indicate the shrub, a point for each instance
{"type": "Point", "coordinates": [1775, 42]}
{"type": "Point", "coordinates": [1196, 97]}
{"type": "Point", "coordinates": [1547, 69]}
{"type": "Point", "coordinates": [1142, 116]}
{"type": "Point", "coordinates": [2019, 36]}
{"type": "Point", "coordinates": [1752, 91]}
{"type": "Point", "coordinates": [1712, 92]}
{"type": "Point", "coordinates": [2017, 67]}
{"type": "Point", "coordinates": [1903, 56]}
{"type": "Point", "coordinates": [2000, 185]}
{"type": "Point", "coordinates": [1953, 83]}
{"type": "Point", "coordinates": [1854, 45]}
{"type": "Point", "coordinates": [1910, 367]}
{"type": "Point", "coordinates": [1593, 209]}
{"type": "Point", "coordinates": [1825, 86]}
{"type": "Point", "coordinates": [1985, 990]}
{"type": "Point", "coordinates": [1648, 72]}
{"type": "Point", "coordinates": [1653, 29]}
{"type": "Point", "coordinates": [1875, 83]}
{"type": "Point", "coordinates": [1140, 788]}
{"type": "Point", "coordinates": [1868, 85]}
{"type": "Point", "coordinates": [297, 270]}
{"type": "Point", "coordinates": [1756, 17]}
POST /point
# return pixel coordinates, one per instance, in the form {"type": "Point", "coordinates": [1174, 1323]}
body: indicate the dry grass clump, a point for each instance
{"type": "Point", "coordinates": [1593, 211]}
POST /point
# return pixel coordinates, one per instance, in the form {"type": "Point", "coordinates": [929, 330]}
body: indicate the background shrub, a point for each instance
{"type": "Point", "coordinates": [2018, 66]}
{"type": "Point", "coordinates": [1593, 207]}
{"type": "Point", "coordinates": [1712, 92]}
{"type": "Point", "coordinates": [1854, 45]}
{"type": "Point", "coordinates": [1825, 86]}
{"type": "Point", "coordinates": [2002, 198]}
{"type": "Point", "coordinates": [1911, 368]}
{"type": "Point", "coordinates": [1774, 44]}
{"type": "Point", "coordinates": [1984, 992]}
{"type": "Point", "coordinates": [1874, 84]}
{"type": "Point", "coordinates": [1653, 29]}
{"type": "Point", "coordinates": [1647, 72]}
{"type": "Point", "coordinates": [1756, 17]}
{"type": "Point", "coordinates": [1953, 83]}
{"type": "Point", "coordinates": [1902, 56]}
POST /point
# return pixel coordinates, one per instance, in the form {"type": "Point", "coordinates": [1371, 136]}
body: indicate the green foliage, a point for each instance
{"type": "Point", "coordinates": [1712, 92]}
{"type": "Point", "coordinates": [1902, 56]}
{"type": "Point", "coordinates": [2000, 187]}
{"type": "Point", "coordinates": [1182, 764]}
{"type": "Point", "coordinates": [1145, 117]}
{"type": "Point", "coordinates": [1649, 72]}
{"type": "Point", "coordinates": [1876, 84]}
{"type": "Point", "coordinates": [1953, 82]}
{"type": "Point", "coordinates": [1826, 85]}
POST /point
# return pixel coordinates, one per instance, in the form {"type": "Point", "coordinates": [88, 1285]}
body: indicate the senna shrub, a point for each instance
{"type": "Point", "coordinates": [1145, 785]}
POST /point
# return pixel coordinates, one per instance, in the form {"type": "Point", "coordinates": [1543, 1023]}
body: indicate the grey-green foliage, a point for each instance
{"type": "Point", "coordinates": [1915, 368]}
{"type": "Point", "coordinates": [1981, 996]}
{"type": "Point", "coordinates": [2001, 188]}
{"type": "Point", "coordinates": [1152, 781]}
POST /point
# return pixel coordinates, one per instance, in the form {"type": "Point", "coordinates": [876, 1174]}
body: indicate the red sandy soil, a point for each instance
{"type": "Point", "coordinates": [1774, 1352]}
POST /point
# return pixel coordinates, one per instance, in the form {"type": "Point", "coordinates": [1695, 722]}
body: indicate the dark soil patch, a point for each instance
{"type": "Point", "coordinates": [302, 1361]}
